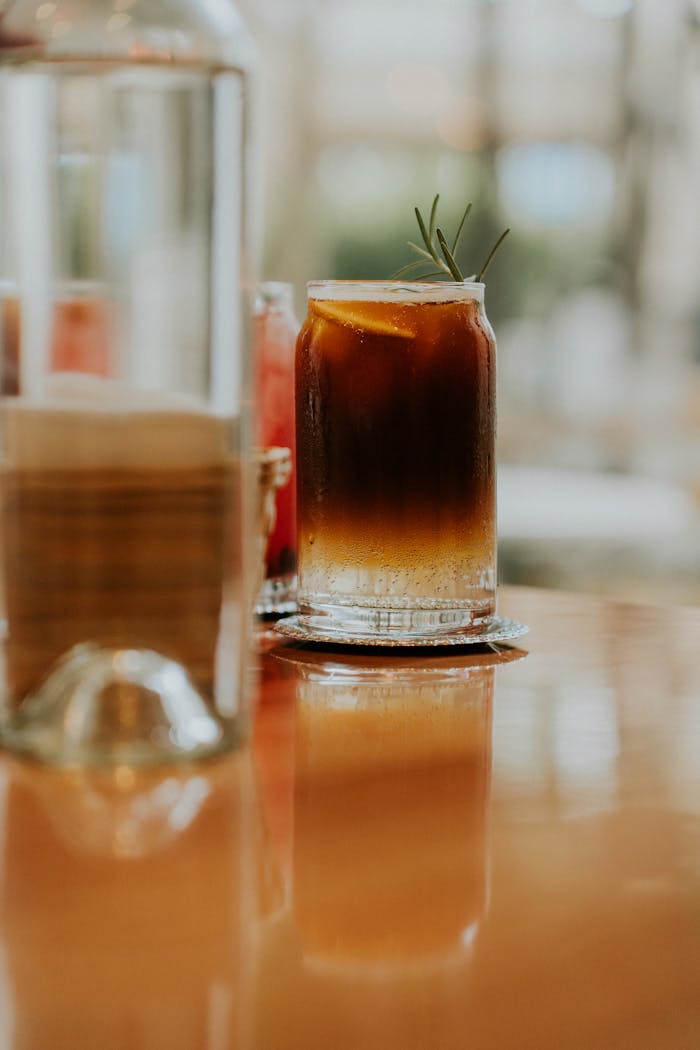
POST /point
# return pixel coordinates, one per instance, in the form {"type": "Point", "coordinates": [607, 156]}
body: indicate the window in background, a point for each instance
{"type": "Point", "coordinates": [576, 122]}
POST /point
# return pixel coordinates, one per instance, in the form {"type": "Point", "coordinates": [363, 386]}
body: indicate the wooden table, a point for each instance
{"type": "Point", "coordinates": [487, 851]}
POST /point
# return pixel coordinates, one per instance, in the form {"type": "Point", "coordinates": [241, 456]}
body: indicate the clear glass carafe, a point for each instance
{"type": "Point", "coordinates": [124, 453]}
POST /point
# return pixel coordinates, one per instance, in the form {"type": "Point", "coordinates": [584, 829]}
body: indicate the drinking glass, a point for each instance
{"type": "Point", "coordinates": [275, 333]}
{"type": "Point", "coordinates": [396, 416]}
{"type": "Point", "coordinates": [123, 461]}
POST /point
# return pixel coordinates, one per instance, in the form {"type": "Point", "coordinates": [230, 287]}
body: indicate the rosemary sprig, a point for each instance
{"type": "Point", "coordinates": [458, 234]}
{"type": "Point", "coordinates": [418, 264]}
{"type": "Point", "coordinates": [433, 213]}
{"type": "Point", "coordinates": [421, 251]}
{"type": "Point", "coordinates": [427, 238]}
{"type": "Point", "coordinates": [452, 265]}
{"type": "Point", "coordinates": [489, 257]}
{"type": "Point", "coordinates": [442, 255]}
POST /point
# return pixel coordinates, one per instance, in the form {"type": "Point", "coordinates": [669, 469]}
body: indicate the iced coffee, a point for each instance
{"type": "Point", "coordinates": [396, 413]}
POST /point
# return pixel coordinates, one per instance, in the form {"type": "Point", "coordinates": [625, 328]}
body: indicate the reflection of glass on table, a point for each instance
{"type": "Point", "coordinates": [391, 806]}
{"type": "Point", "coordinates": [126, 904]}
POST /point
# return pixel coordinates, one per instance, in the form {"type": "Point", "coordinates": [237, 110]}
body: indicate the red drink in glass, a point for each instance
{"type": "Point", "coordinates": [276, 329]}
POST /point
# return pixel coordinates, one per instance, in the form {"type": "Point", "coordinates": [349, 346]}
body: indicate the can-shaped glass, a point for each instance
{"type": "Point", "coordinates": [396, 416]}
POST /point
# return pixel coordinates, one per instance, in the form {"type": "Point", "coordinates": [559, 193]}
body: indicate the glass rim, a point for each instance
{"type": "Point", "coordinates": [275, 286]}
{"type": "Point", "coordinates": [396, 291]}
{"type": "Point", "coordinates": [271, 293]}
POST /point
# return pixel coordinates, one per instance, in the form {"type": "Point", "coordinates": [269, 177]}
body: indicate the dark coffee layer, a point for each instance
{"type": "Point", "coordinates": [396, 426]}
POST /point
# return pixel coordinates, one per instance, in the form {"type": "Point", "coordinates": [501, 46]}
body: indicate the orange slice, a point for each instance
{"type": "Point", "coordinates": [352, 316]}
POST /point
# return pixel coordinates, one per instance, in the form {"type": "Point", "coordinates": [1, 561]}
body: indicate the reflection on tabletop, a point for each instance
{"type": "Point", "coordinates": [385, 846]}
{"type": "Point", "coordinates": [497, 844]}
{"type": "Point", "coordinates": [125, 907]}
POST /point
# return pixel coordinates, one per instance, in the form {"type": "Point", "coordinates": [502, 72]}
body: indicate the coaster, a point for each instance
{"type": "Point", "coordinates": [497, 629]}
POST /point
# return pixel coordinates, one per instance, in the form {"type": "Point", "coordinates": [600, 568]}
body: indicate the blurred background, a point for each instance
{"type": "Point", "coordinates": [577, 124]}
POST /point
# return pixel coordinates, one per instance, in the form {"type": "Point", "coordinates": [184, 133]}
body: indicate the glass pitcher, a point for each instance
{"type": "Point", "coordinates": [124, 456]}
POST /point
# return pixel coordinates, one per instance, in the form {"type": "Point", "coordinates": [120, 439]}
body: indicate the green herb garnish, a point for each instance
{"type": "Point", "coordinates": [442, 256]}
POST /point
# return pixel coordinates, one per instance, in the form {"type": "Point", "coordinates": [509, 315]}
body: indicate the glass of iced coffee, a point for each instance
{"type": "Point", "coordinates": [396, 416]}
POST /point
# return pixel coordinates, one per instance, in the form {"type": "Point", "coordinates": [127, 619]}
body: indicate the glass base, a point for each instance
{"type": "Point", "coordinates": [278, 596]}
{"type": "Point", "coordinates": [400, 617]}
{"type": "Point", "coordinates": [479, 631]}
{"type": "Point", "coordinates": [116, 706]}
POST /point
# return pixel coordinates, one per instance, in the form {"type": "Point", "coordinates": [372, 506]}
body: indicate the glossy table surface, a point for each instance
{"type": "Point", "coordinates": [484, 850]}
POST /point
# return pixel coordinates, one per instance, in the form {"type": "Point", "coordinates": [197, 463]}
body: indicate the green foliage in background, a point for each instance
{"type": "Point", "coordinates": [528, 275]}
